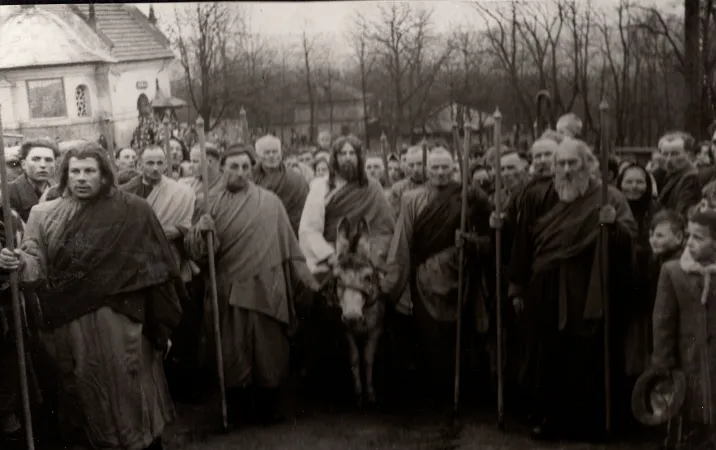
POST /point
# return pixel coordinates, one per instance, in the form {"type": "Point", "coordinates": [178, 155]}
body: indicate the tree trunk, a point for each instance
{"type": "Point", "coordinates": [693, 81]}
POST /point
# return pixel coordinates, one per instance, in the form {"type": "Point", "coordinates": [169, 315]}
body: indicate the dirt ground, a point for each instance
{"type": "Point", "coordinates": [322, 428]}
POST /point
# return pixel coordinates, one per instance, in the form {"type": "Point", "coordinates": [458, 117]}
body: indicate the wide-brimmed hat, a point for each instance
{"type": "Point", "coordinates": [658, 395]}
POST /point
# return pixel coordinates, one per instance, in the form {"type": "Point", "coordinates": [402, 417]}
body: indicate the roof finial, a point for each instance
{"type": "Point", "coordinates": [152, 17]}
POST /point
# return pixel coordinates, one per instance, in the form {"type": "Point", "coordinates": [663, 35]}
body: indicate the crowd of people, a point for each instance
{"type": "Point", "coordinates": [118, 296]}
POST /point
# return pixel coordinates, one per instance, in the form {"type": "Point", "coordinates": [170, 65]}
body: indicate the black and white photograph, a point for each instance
{"type": "Point", "coordinates": [358, 225]}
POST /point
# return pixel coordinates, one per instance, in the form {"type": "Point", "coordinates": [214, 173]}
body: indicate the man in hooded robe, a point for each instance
{"type": "Point", "coordinates": [270, 174]}
{"type": "Point", "coordinates": [555, 287]}
{"type": "Point", "coordinates": [259, 268]}
{"type": "Point", "coordinates": [414, 165]}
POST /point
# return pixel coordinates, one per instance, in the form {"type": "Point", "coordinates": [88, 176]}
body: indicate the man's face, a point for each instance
{"type": "Point", "coordinates": [84, 178]}
{"type": "Point", "coordinates": [570, 176]}
{"type": "Point", "coordinates": [440, 170]}
{"type": "Point", "coordinates": [39, 165]}
{"type": "Point", "coordinates": [481, 179]}
{"type": "Point", "coordinates": [394, 171]}
{"type": "Point", "coordinates": [404, 164]}
{"type": "Point", "coordinates": [324, 140]}
{"type": "Point", "coordinates": [542, 158]}
{"type": "Point", "coordinates": [238, 172]}
{"type": "Point", "coordinates": [348, 161]}
{"type": "Point", "coordinates": [703, 158]}
{"type": "Point", "coordinates": [321, 168]}
{"type": "Point", "coordinates": [270, 157]}
{"type": "Point", "coordinates": [415, 168]}
{"type": "Point", "coordinates": [674, 154]}
{"type": "Point", "coordinates": [127, 159]}
{"type": "Point", "coordinates": [511, 171]}
{"type": "Point", "coordinates": [306, 158]}
{"type": "Point", "coordinates": [175, 151]}
{"type": "Point", "coordinates": [195, 158]}
{"type": "Point", "coordinates": [153, 164]}
{"type": "Point", "coordinates": [700, 243]}
{"type": "Point", "coordinates": [663, 239]}
{"type": "Point", "coordinates": [374, 168]}
{"type": "Point", "coordinates": [456, 174]}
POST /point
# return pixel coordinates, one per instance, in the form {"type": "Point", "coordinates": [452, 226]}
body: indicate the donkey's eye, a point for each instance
{"type": "Point", "coordinates": [367, 279]}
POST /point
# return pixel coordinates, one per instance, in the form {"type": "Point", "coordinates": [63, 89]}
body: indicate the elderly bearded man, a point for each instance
{"type": "Point", "coordinates": [109, 290]}
{"type": "Point", "coordinates": [259, 267]}
{"type": "Point", "coordinates": [555, 286]}
{"type": "Point", "coordinates": [423, 269]}
{"type": "Point", "coordinates": [37, 157]}
{"type": "Point", "coordinates": [414, 165]}
{"type": "Point", "coordinates": [270, 174]}
{"type": "Point", "coordinates": [681, 189]}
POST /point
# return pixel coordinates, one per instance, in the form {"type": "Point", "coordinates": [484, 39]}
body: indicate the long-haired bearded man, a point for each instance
{"type": "Point", "coordinates": [555, 287]}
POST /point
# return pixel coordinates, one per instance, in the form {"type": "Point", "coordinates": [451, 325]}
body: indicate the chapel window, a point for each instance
{"type": "Point", "coordinates": [82, 100]}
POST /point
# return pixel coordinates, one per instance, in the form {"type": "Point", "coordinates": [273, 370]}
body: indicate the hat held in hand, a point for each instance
{"type": "Point", "coordinates": [658, 395]}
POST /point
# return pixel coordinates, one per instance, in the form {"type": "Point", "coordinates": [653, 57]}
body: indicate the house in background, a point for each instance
{"type": "Point", "coordinates": [79, 71]}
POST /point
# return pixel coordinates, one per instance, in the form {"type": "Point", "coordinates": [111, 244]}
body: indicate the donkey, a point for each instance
{"type": "Point", "coordinates": [357, 281]}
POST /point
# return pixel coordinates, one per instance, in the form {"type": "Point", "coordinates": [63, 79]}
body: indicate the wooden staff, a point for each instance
{"type": "Point", "coordinates": [456, 144]}
{"type": "Point", "coordinates": [212, 271]}
{"type": "Point", "coordinates": [167, 152]}
{"type": "Point", "coordinates": [498, 266]}
{"type": "Point", "coordinates": [604, 150]}
{"type": "Point", "coordinates": [15, 293]}
{"type": "Point", "coordinates": [384, 154]}
{"type": "Point", "coordinates": [462, 278]}
{"type": "Point", "coordinates": [425, 159]}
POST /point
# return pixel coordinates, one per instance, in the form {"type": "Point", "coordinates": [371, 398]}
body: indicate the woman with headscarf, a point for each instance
{"type": "Point", "coordinates": [637, 186]}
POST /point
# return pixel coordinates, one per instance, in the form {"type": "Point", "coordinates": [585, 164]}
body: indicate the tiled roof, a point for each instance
{"type": "Point", "coordinates": [133, 37]}
{"type": "Point", "coordinates": [47, 36]}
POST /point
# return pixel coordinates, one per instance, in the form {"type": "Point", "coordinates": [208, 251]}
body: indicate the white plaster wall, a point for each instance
{"type": "Point", "coordinates": [123, 80]}
{"type": "Point", "coordinates": [72, 76]}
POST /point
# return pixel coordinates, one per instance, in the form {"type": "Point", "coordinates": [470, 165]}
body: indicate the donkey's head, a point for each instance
{"type": "Point", "coordinates": [357, 278]}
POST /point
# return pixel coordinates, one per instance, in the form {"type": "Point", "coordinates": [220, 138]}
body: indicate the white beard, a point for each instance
{"type": "Point", "coordinates": [570, 190]}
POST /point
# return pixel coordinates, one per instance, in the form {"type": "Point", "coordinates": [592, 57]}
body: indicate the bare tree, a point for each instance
{"type": "Point", "coordinates": [208, 37]}
{"type": "Point", "coordinates": [366, 60]}
{"type": "Point", "coordinates": [307, 44]}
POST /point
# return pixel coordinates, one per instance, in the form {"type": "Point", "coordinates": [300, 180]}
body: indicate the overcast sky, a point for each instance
{"type": "Point", "coordinates": [287, 20]}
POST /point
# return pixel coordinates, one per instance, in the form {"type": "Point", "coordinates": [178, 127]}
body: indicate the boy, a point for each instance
{"type": "Point", "coordinates": [666, 237]}
{"type": "Point", "coordinates": [684, 322]}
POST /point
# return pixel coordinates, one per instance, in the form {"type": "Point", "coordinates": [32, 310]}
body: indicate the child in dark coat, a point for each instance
{"type": "Point", "coordinates": [684, 324]}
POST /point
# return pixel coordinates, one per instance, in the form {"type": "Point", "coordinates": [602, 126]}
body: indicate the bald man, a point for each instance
{"type": "Point", "coordinates": [569, 125]}
{"type": "Point", "coordinates": [422, 269]}
{"type": "Point", "coordinates": [414, 166]}
{"type": "Point", "coordinates": [288, 185]}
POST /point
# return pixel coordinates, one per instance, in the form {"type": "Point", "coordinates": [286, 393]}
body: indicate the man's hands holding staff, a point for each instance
{"type": "Point", "coordinates": [10, 260]}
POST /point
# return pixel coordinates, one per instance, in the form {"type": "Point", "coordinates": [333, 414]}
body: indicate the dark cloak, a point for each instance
{"type": "Point", "coordinates": [354, 202]}
{"type": "Point", "coordinates": [289, 186]}
{"type": "Point", "coordinates": [562, 351]}
{"type": "Point", "coordinates": [114, 253]}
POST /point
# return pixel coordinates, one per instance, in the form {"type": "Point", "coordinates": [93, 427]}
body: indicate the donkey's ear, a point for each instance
{"type": "Point", "coordinates": [363, 237]}
{"type": "Point", "coordinates": [343, 233]}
